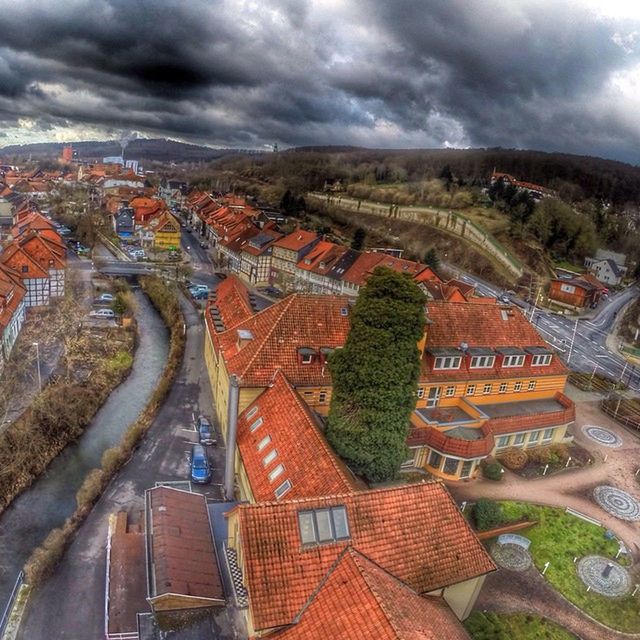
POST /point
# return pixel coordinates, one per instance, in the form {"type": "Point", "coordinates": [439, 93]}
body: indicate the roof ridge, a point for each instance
{"type": "Point", "coordinates": [289, 299]}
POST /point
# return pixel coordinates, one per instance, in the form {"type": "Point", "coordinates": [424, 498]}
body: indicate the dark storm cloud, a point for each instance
{"type": "Point", "coordinates": [371, 72]}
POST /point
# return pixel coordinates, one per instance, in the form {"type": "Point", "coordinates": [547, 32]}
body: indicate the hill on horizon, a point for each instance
{"type": "Point", "coordinates": [143, 149]}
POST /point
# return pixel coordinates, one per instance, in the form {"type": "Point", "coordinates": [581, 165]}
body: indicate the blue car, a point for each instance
{"type": "Point", "coordinates": [200, 467]}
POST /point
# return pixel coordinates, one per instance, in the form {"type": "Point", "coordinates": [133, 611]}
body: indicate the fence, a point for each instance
{"type": "Point", "coordinates": [445, 220]}
{"type": "Point", "coordinates": [628, 417]}
{"type": "Point", "coordinates": [12, 598]}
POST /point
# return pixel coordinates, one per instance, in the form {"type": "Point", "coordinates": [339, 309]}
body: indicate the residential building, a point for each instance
{"type": "Point", "coordinates": [608, 266]}
{"type": "Point", "coordinates": [536, 190]}
{"type": "Point", "coordinates": [488, 382]}
{"type": "Point", "coordinates": [12, 310]}
{"type": "Point", "coordinates": [579, 292]}
{"type": "Point", "coordinates": [287, 252]}
{"type": "Point", "coordinates": [161, 232]}
{"type": "Point", "coordinates": [358, 564]}
{"type": "Point", "coordinates": [173, 191]}
{"type": "Point", "coordinates": [256, 253]}
{"type": "Point", "coordinates": [40, 262]}
{"type": "Point", "coordinates": [124, 223]}
{"type": "Point", "coordinates": [295, 335]}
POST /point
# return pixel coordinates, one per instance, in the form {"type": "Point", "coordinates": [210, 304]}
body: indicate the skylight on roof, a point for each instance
{"type": "Point", "coordinates": [344, 311]}
{"type": "Point", "coordinates": [282, 489]}
{"type": "Point", "coordinates": [264, 442]}
{"type": "Point", "coordinates": [269, 458]}
{"type": "Point", "coordinates": [276, 472]}
{"type": "Point", "coordinates": [321, 526]}
{"type": "Point", "coordinates": [256, 424]}
{"type": "Point", "coordinates": [252, 412]}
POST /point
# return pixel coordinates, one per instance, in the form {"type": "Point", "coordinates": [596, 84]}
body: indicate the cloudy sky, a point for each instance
{"type": "Point", "coordinates": [544, 74]}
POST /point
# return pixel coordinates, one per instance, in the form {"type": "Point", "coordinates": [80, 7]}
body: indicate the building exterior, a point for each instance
{"type": "Point", "coordinates": [255, 255]}
{"type": "Point", "coordinates": [12, 310]}
{"type": "Point", "coordinates": [580, 292]}
{"type": "Point", "coordinates": [161, 232]}
{"type": "Point", "coordinates": [287, 252]}
{"type": "Point", "coordinates": [606, 270]}
{"type": "Point", "coordinates": [488, 382]}
{"type": "Point", "coordinates": [536, 190]}
{"type": "Point", "coordinates": [359, 564]}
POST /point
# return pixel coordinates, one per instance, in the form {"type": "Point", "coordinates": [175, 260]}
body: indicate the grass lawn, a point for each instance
{"type": "Point", "coordinates": [520, 626]}
{"type": "Point", "coordinates": [558, 538]}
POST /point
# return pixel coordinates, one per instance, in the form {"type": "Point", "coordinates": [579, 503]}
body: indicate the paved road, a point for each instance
{"type": "Point", "coordinates": [589, 352]}
{"type": "Point", "coordinates": [54, 609]}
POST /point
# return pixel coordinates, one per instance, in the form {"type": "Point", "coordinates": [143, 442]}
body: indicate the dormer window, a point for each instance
{"type": "Point", "coordinates": [447, 362]}
{"type": "Point", "coordinates": [482, 362]}
{"type": "Point", "coordinates": [306, 355]}
{"type": "Point", "coordinates": [513, 361]}
{"type": "Point", "coordinates": [541, 360]}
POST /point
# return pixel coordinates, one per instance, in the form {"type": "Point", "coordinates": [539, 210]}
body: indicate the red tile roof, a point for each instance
{"type": "Point", "coordinates": [183, 559]}
{"type": "Point", "coordinates": [232, 301]}
{"type": "Point", "coordinates": [363, 267]}
{"type": "Point", "coordinates": [414, 532]}
{"type": "Point", "coordinates": [299, 320]}
{"type": "Point", "coordinates": [297, 240]}
{"type": "Point", "coordinates": [12, 292]}
{"type": "Point", "coordinates": [420, 435]}
{"type": "Point", "coordinates": [322, 257]}
{"type": "Point", "coordinates": [358, 599]}
{"type": "Point", "coordinates": [309, 464]}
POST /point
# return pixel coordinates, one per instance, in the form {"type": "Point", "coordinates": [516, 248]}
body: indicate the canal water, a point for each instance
{"type": "Point", "coordinates": [52, 498]}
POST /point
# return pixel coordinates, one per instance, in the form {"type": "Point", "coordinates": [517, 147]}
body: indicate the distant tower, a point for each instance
{"type": "Point", "coordinates": [275, 148]}
{"type": "Point", "coordinates": [67, 154]}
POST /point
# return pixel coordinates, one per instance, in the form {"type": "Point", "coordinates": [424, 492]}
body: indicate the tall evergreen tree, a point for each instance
{"type": "Point", "coordinates": [375, 376]}
{"type": "Point", "coordinates": [431, 258]}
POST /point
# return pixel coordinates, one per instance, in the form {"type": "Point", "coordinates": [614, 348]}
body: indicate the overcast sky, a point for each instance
{"type": "Point", "coordinates": [543, 74]}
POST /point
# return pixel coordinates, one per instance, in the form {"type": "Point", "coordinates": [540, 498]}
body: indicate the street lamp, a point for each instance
{"type": "Point", "coordinates": [37, 346]}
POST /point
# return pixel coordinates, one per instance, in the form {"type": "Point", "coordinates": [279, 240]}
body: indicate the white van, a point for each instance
{"type": "Point", "coordinates": [102, 313]}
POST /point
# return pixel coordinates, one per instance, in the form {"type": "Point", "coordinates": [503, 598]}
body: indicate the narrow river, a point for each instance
{"type": "Point", "coordinates": [52, 498]}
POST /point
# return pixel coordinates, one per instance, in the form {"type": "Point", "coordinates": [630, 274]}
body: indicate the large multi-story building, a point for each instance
{"type": "Point", "coordinates": [488, 380]}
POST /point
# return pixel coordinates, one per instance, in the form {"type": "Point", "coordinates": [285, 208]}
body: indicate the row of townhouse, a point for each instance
{"type": "Point", "coordinates": [32, 267]}
{"type": "Point", "coordinates": [149, 220]}
{"type": "Point", "coordinates": [249, 244]}
{"type": "Point", "coordinates": [488, 380]}
{"type": "Point", "coordinates": [304, 520]}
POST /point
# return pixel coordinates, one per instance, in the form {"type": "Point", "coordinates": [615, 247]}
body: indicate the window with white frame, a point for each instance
{"type": "Point", "coordinates": [451, 391]}
{"type": "Point", "coordinates": [270, 457]}
{"type": "Point", "coordinates": [503, 441]}
{"type": "Point", "coordinates": [517, 386]}
{"type": "Point", "coordinates": [467, 466]}
{"type": "Point", "coordinates": [503, 387]}
{"type": "Point", "coordinates": [323, 525]}
{"type": "Point", "coordinates": [276, 472]}
{"type": "Point", "coordinates": [322, 397]}
{"type": "Point", "coordinates": [450, 466]}
{"type": "Point", "coordinates": [513, 361]}
{"type": "Point", "coordinates": [264, 442]}
{"type": "Point", "coordinates": [482, 362]}
{"type": "Point", "coordinates": [421, 392]}
{"type": "Point", "coordinates": [519, 439]}
{"type": "Point", "coordinates": [282, 489]}
{"type": "Point", "coordinates": [541, 360]}
{"type": "Point", "coordinates": [547, 435]}
{"type": "Point", "coordinates": [471, 389]}
{"type": "Point", "coordinates": [447, 362]}
{"type": "Point", "coordinates": [487, 389]}
{"type": "Point", "coordinates": [532, 385]}
{"type": "Point", "coordinates": [534, 438]}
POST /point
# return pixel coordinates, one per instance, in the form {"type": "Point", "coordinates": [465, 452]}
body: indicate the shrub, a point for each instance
{"type": "Point", "coordinates": [559, 453]}
{"type": "Point", "coordinates": [514, 458]}
{"type": "Point", "coordinates": [492, 471]}
{"type": "Point", "coordinates": [90, 489]}
{"type": "Point", "coordinates": [487, 514]}
{"type": "Point", "coordinates": [540, 455]}
{"type": "Point", "coordinates": [44, 559]}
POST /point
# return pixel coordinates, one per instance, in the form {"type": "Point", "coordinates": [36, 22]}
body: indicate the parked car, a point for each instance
{"type": "Point", "coordinates": [205, 431]}
{"type": "Point", "coordinates": [271, 291]}
{"type": "Point", "coordinates": [105, 298]}
{"type": "Point", "coordinates": [200, 467]}
{"type": "Point", "coordinates": [221, 275]}
{"type": "Point", "coordinates": [204, 244]}
{"type": "Point", "coordinates": [102, 313]}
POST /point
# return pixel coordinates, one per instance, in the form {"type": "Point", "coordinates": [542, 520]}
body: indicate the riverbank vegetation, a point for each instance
{"type": "Point", "coordinates": [92, 364]}
{"type": "Point", "coordinates": [44, 559]}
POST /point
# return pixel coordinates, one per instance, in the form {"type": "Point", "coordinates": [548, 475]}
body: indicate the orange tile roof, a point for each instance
{"type": "Point", "coordinates": [299, 320]}
{"type": "Point", "coordinates": [358, 599]}
{"type": "Point", "coordinates": [232, 301]}
{"type": "Point", "coordinates": [297, 240]}
{"type": "Point", "coordinates": [414, 532]}
{"type": "Point", "coordinates": [12, 292]}
{"type": "Point", "coordinates": [309, 464]}
{"type": "Point", "coordinates": [322, 257]}
{"type": "Point", "coordinates": [364, 266]}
